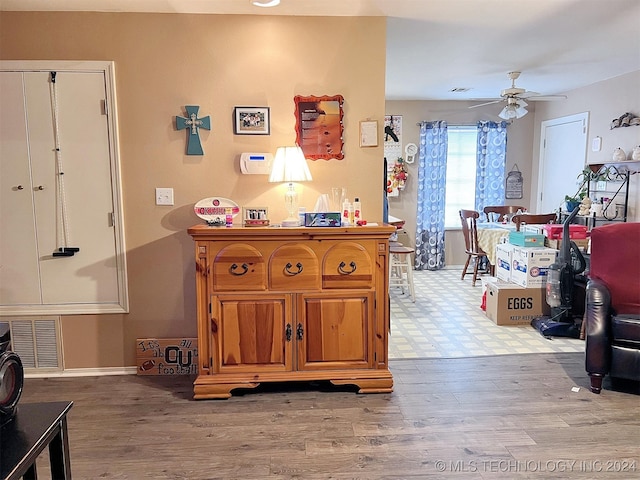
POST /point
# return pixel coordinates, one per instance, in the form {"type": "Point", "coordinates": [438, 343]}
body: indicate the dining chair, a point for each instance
{"type": "Point", "coordinates": [495, 213]}
{"type": "Point", "coordinates": [469, 218]}
{"type": "Point", "coordinates": [533, 219]}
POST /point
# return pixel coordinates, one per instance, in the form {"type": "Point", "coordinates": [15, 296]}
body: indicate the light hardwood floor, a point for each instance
{"type": "Point", "coordinates": [512, 416]}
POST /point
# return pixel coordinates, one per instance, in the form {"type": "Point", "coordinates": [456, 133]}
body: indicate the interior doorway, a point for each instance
{"type": "Point", "coordinates": [563, 153]}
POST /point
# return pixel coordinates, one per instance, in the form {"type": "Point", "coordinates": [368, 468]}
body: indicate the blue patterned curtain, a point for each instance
{"type": "Point", "coordinates": [491, 162]}
{"type": "Point", "coordinates": [432, 174]}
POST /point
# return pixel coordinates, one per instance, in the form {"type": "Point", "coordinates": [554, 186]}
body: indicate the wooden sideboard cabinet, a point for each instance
{"type": "Point", "coordinates": [291, 304]}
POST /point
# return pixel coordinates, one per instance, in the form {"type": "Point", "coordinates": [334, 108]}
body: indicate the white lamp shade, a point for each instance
{"type": "Point", "coordinates": [514, 109]}
{"type": "Point", "coordinates": [289, 165]}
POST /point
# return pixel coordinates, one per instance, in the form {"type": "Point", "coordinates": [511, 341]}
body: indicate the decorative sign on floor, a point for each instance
{"type": "Point", "coordinates": [167, 356]}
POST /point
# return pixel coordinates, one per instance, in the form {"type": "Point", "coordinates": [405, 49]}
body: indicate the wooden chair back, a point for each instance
{"type": "Point", "coordinates": [495, 213]}
{"type": "Point", "coordinates": [468, 219]}
{"type": "Point", "coordinates": [533, 219]}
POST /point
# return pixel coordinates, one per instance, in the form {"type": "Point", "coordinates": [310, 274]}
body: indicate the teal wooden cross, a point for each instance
{"type": "Point", "coordinates": [193, 123]}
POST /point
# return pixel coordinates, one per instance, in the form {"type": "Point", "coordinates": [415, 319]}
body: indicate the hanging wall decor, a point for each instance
{"type": "Point", "coordinates": [513, 184]}
{"type": "Point", "coordinates": [251, 121]}
{"type": "Point", "coordinates": [193, 124]}
{"type": "Point", "coordinates": [319, 126]}
{"type": "Point", "coordinates": [392, 137]}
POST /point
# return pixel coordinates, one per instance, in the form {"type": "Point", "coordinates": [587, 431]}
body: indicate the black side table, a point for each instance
{"type": "Point", "coordinates": [34, 427]}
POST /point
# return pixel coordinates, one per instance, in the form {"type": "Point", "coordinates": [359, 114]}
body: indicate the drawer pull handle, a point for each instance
{"type": "Point", "coordinates": [299, 332]}
{"type": "Point", "coordinates": [343, 271]}
{"type": "Point", "coordinates": [245, 269]}
{"type": "Point", "coordinates": [288, 266]}
{"type": "Point", "coordinates": [288, 332]}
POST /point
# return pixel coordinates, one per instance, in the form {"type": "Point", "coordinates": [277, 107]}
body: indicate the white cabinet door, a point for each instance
{"type": "Point", "coordinates": [19, 266]}
{"type": "Point", "coordinates": [70, 198]}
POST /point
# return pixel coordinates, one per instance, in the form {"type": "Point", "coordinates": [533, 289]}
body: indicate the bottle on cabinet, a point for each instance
{"type": "Point", "coordinates": [346, 209]}
{"type": "Point", "coordinates": [357, 210]}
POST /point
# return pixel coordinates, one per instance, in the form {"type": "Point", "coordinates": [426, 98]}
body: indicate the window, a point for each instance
{"type": "Point", "coordinates": [461, 173]}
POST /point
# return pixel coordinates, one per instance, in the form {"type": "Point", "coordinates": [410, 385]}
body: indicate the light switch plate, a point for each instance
{"type": "Point", "coordinates": [164, 196]}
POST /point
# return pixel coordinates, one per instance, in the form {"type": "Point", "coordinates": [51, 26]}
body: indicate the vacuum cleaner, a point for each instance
{"type": "Point", "coordinates": [560, 286]}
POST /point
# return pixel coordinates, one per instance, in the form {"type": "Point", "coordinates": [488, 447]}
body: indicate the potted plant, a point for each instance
{"type": "Point", "coordinates": [571, 203]}
{"type": "Point", "coordinates": [590, 173]}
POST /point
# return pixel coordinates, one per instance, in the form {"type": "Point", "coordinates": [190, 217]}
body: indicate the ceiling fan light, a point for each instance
{"type": "Point", "coordinates": [513, 110]}
{"type": "Point", "coordinates": [520, 111]}
{"type": "Point", "coordinates": [508, 113]}
{"type": "Point", "coordinates": [266, 3]}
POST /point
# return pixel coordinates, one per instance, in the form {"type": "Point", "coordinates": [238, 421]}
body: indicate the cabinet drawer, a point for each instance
{"type": "Point", "coordinates": [294, 267]}
{"type": "Point", "coordinates": [239, 267]}
{"type": "Point", "coordinates": [347, 265]}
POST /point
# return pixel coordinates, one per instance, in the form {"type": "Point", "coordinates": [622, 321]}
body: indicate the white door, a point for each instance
{"type": "Point", "coordinates": [43, 209]}
{"type": "Point", "coordinates": [563, 153]}
{"type": "Point", "coordinates": [19, 266]}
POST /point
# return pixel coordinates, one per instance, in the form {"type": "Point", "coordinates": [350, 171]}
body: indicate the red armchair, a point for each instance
{"type": "Point", "coordinates": [612, 312]}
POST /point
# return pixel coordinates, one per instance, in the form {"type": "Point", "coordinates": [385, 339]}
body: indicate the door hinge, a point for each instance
{"type": "Point", "coordinates": [209, 307]}
{"type": "Point", "coordinates": [211, 361]}
{"type": "Point", "coordinates": [105, 111]}
{"type": "Point", "coordinates": [112, 219]}
{"type": "Point", "coordinates": [375, 356]}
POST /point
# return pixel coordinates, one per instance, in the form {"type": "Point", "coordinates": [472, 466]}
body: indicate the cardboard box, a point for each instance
{"type": "Point", "coordinates": [167, 356]}
{"type": "Point", "coordinates": [582, 244]}
{"type": "Point", "coordinates": [508, 304]}
{"type": "Point", "coordinates": [530, 266]}
{"type": "Point", "coordinates": [504, 256]}
{"type": "Point", "coordinates": [526, 239]}
{"type": "Point", "coordinates": [532, 228]}
{"type": "Point", "coordinates": [555, 231]}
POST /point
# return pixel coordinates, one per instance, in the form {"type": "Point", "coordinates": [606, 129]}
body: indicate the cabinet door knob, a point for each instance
{"type": "Point", "coordinates": [234, 266]}
{"type": "Point", "coordinates": [288, 266]}
{"type": "Point", "coordinates": [19, 187]}
{"type": "Point", "coordinates": [40, 187]}
{"type": "Point", "coordinates": [347, 272]}
{"type": "Point", "coordinates": [299, 332]}
{"type": "Point", "coordinates": [288, 332]}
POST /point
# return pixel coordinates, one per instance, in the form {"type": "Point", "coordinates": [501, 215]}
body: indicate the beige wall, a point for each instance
{"type": "Point", "coordinates": [604, 101]}
{"type": "Point", "coordinates": [519, 146]}
{"type": "Point", "coordinates": [164, 62]}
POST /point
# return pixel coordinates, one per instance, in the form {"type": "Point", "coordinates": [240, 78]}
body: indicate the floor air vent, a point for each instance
{"type": "Point", "coordinates": [36, 340]}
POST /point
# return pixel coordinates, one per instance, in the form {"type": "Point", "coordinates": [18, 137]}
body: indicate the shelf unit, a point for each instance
{"type": "Point", "coordinates": [614, 186]}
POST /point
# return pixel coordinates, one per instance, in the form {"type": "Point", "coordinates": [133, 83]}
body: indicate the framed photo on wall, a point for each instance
{"type": "Point", "coordinates": [319, 127]}
{"type": "Point", "coordinates": [369, 133]}
{"type": "Point", "coordinates": [251, 121]}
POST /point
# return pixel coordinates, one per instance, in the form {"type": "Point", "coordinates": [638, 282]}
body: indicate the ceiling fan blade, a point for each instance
{"type": "Point", "coordinates": [547, 98]}
{"type": "Point", "coordinates": [487, 103]}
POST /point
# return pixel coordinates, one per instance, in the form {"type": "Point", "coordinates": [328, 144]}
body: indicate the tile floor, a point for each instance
{"type": "Point", "coordinates": [446, 322]}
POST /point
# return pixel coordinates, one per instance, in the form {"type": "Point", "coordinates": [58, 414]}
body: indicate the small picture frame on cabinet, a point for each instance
{"type": "Point", "coordinates": [255, 216]}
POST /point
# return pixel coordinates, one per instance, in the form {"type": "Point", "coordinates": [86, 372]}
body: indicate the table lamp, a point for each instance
{"type": "Point", "coordinates": [289, 165]}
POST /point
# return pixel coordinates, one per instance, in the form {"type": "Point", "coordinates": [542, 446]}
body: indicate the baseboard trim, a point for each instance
{"type": "Point", "coordinates": [82, 372]}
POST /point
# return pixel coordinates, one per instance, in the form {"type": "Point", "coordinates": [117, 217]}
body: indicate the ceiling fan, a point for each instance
{"type": "Point", "coordinates": [515, 98]}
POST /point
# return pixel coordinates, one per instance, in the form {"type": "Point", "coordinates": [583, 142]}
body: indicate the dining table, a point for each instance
{"type": "Point", "coordinates": [490, 234]}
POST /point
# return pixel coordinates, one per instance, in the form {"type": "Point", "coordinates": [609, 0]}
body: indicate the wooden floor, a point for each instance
{"type": "Point", "coordinates": [512, 416]}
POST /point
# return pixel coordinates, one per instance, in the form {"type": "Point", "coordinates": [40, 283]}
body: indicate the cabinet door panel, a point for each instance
{"type": "Point", "coordinates": [294, 267]}
{"type": "Point", "coordinates": [347, 265]}
{"type": "Point", "coordinates": [249, 334]}
{"type": "Point", "coordinates": [19, 275]}
{"type": "Point", "coordinates": [85, 204]}
{"type": "Point", "coordinates": [239, 266]}
{"type": "Point", "coordinates": [336, 330]}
